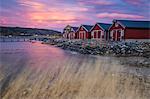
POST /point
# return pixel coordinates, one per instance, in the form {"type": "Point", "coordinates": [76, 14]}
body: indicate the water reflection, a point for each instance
{"type": "Point", "coordinates": [32, 64]}
{"type": "Point", "coordinates": [19, 54]}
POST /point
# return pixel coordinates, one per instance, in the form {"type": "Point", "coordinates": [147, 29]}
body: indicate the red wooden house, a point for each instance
{"type": "Point", "coordinates": [69, 32]}
{"type": "Point", "coordinates": [83, 32]}
{"type": "Point", "coordinates": [100, 31]}
{"type": "Point", "coordinates": [129, 30]}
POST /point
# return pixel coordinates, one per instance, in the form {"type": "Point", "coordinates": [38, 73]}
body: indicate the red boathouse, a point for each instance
{"type": "Point", "coordinates": [69, 32]}
{"type": "Point", "coordinates": [100, 31]}
{"type": "Point", "coordinates": [83, 32]}
{"type": "Point", "coordinates": [129, 30]}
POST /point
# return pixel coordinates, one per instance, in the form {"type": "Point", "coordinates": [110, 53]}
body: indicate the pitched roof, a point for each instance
{"type": "Point", "coordinates": [87, 27]}
{"type": "Point", "coordinates": [134, 24]}
{"type": "Point", "coordinates": [67, 26]}
{"type": "Point", "coordinates": [75, 28]}
{"type": "Point", "coordinates": [104, 25]}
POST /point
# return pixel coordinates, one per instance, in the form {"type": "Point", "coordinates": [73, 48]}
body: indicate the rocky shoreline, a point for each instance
{"type": "Point", "coordinates": [93, 47]}
{"type": "Point", "coordinates": [117, 49]}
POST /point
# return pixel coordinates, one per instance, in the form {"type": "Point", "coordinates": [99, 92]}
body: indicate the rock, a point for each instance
{"type": "Point", "coordinates": [111, 48]}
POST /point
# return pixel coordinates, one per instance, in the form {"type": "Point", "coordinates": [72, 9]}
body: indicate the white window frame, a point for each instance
{"type": "Point", "coordinates": [84, 34]}
{"type": "Point", "coordinates": [121, 34]}
{"type": "Point", "coordinates": [119, 30]}
{"type": "Point", "coordinates": [102, 32]}
{"type": "Point", "coordinates": [116, 30]}
{"type": "Point", "coordinates": [111, 34]}
{"type": "Point", "coordinates": [92, 34]}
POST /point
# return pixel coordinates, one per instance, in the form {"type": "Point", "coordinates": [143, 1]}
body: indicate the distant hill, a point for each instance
{"type": "Point", "coordinates": [16, 31]}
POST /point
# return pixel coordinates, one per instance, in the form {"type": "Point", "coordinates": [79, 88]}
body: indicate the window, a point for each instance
{"type": "Point", "coordinates": [82, 35]}
{"type": "Point", "coordinates": [99, 34]}
{"type": "Point", "coordinates": [102, 36]}
{"type": "Point", "coordinates": [95, 34]}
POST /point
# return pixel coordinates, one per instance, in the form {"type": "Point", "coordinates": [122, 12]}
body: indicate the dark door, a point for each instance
{"type": "Point", "coordinates": [95, 33]}
{"type": "Point", "coordinates": [99, 34]}
{"type": "Point", "coordinates": [114, 35]}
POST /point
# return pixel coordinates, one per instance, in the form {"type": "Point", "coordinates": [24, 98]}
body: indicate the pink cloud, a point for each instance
{"type": "Point", "coordinates": [58, 13]}
{"type": "Point", "coordinates": [119, 15]}
{"type": "Point", "coordinates": [39, 12]}
{"type": "Point", "coordinates": [97, 2]}
{"type": "Point", "coordinates": [3, 21]}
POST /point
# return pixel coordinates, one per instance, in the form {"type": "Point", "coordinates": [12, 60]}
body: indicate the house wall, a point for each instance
{"type": "Point", "coordinates": [71, 35]}
{"type": "Point", "coordinates": [116, 27]}
{"type": "Point", "coordinates": [65, 35]}
{"type": "Point", "coordinates": [113, 32]}
{"type": "Point", "coordinates": [66, 32]}
{"type": "Point", "coordinates": [78, 34]}
{"type": "Point", "coordinates": [132, 33]}
{"type": "Point", "coordinates": [96, 29]}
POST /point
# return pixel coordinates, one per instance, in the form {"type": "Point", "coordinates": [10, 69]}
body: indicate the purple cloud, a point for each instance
{"type": "Point", "coordinates": [58, 13]}
{"type": "Point", "coordinates": [119, 15]}
{"type": "Point", "coordinates": [96, 2]}
{"type": "Point", "coordinates": [137, 2]}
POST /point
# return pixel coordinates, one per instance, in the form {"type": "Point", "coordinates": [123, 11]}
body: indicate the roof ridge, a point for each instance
{"type": "Point", "coordinates": [134, 20]}
{"type": "Point", "coordinates": [134, 23]}
{"type": "Point", "coordinates": [104, 23]}
{"type": "Point", "coordinates": [86, 25]}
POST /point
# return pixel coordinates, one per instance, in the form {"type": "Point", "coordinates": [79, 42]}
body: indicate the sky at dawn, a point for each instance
{"type": "Point", "coordinates": [56, 14]}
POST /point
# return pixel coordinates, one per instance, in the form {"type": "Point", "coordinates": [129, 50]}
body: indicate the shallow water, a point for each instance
{"type": "Point", "coordinates": [19, 55]}
{"type": "Point", "coordinates": [18, 58]}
